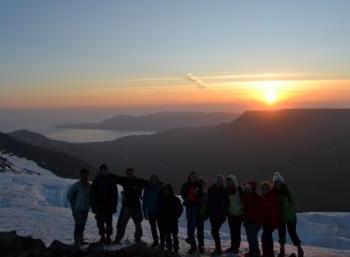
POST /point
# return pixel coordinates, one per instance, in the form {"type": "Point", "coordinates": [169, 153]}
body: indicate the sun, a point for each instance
{"type": "Point", "coordinates": [270, 91]}
{"type": "Point", "coordinates": [270, 96]}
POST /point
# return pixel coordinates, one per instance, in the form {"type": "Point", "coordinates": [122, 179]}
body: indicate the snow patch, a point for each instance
{"type": "Point", "coordinates": [34, 203]}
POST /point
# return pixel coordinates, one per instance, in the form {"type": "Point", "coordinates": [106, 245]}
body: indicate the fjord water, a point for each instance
{"type": "Point", "coordinates": [85, 135]}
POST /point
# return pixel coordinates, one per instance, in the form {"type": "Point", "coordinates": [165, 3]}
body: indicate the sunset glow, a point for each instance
{"type": "Point", "coordinates": [211, 60]}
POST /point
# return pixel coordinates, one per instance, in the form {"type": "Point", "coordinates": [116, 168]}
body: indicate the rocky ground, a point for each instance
{"type": "Point", "coordinates": [13, 245]}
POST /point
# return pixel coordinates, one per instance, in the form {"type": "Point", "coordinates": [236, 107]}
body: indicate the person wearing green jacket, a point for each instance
{"type": "Point", "coordinates": [79, 198]}
{"type": "Point", "coordinates": [234, 213]}
{"type": "Point", "coordinates": [288, 213]}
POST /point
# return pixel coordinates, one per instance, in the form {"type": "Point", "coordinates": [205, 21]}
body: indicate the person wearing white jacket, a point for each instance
{"type": "Point", "coordinates": [79, 197]}
{"type": "Point", "coordinates": [234, 213]}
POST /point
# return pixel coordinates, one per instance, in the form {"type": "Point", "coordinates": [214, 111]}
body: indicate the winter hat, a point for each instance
{"type": "Point", "coordinates": [234, 180]}
{"type": "Point", "coordinates": [277, 177]}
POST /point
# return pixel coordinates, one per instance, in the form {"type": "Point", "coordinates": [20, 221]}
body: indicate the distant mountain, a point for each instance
{"type": "Point", "coordinates": [158, 121]}
{"type": "Point", "coordinates": [60, 163]}
{"type": "Point", "coordinates": [311, 147]}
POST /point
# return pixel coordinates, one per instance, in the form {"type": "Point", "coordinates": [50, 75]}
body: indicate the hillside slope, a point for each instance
{"type": "Point", "coordinates": [62, 164]}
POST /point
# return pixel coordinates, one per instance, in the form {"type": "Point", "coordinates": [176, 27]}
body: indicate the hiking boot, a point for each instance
{"type": "Point", "coordinates": [108, 240]}
{"type": "Point", "coordinates": [192, 250]}
{"type": "Point", "coordinates": [216, 252]}
{"type": "Point", "coordinates": [300, 252]}
{"type": "Point", "coordinates": [102, 239]}
{"type": "Point", "coordinates": [282, 252]}
{"type": "Point", "coordinates": [116, 241]}
{"type": "Point", "coordinates": [155, 244]}
{"type": "Point", "coordinates": [232, 250]}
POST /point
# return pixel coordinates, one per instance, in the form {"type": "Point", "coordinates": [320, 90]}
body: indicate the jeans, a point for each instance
{"type": "Point", "coordinates": [169, 234]}
{"type": "Point", "coordinates": [216, 223]}
{"type": "Point", "coordinates": [235, 224]}
{"type": "Point", "coordinates": [125, 214]}
{"type": "Point", "coordinates": [191, 215]}
{"type": "Point", "coordinates": [104, 223]}
{"type": "Point", "coordinates": [80, 218]}
{"type": "Point", "coordinates": [291, 226]}
{"type": "Point", "coordinates": [252, 230]}
{"type": "Point", "coordinates": [154, 224]}
{"type": "Point", "coordinates": [200, 232]}
{"type": "Point", "coordinates": [267, 240]}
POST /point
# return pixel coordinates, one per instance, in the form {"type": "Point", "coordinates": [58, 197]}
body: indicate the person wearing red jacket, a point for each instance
{"type": "Point", "coordinates": [252, 205]}
{"type": "Point", "coordinates": [270, 218]}
{"type": "Point", "coordinates": [192, 194]}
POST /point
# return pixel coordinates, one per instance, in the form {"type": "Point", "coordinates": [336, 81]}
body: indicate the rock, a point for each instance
{"type": "Point", "coordinates": [57, 246]}
{"type": "Point", "coordinates": [95, 247]}
{"type": "Point", "coordinates": [12, 245]}
{"type": "Point", "coordinates": [29, 243]}
{"type": "Point", "coordinates": [10, 241]}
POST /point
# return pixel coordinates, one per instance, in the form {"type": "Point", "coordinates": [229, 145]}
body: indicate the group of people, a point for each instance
{"type": "Point", "coordinates": [273, 209]}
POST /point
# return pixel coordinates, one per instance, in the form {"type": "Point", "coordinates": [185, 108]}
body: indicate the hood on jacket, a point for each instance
{"type": "Point", "coordinates": [253, 184]}
{"type": "Point", "coordinates": [268, 185]}
{"type": "Point", "coordinates": [277, 177]}
{"type": "Point", "coordinates": [234, 180]}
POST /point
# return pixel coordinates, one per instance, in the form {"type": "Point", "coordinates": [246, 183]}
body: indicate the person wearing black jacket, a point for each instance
{"type": "Point", "coordinates": [104, 200]}
{"type": "Point", "coordinates": [218, 202]}
{"type": "Point", "coordinates": [169, 211]}
{"type": "Point", "coordinates": [131, 204]}
{"type": "Point", "coordinates": [202, 215]}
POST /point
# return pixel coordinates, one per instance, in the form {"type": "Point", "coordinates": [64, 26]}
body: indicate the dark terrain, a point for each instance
{"type": "Point", "coordinates": [13, 245]}
{"type": "Point", "coordinates": [158, 121]}
{"type": "Point", "coordinates": [310, 147]}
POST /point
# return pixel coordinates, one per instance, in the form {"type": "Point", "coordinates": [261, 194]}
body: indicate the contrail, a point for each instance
{"type": "Point", "coordinates": [201, 85]}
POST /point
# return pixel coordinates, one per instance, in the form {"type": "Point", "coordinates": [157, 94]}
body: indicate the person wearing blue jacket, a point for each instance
{"type": "Point", "coordinates": [149, 206]}
{"type": "Point", "coordinates": [79, 198]}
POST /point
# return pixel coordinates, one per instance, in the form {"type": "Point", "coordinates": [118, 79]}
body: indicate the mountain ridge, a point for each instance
{"type": "Point", "coordinates": [159, 121]}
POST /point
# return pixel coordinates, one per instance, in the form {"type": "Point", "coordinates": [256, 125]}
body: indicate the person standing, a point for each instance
{"type": "Point", "coordinates": [78, 197]}
{"type": "Point", "coordinates": [149, 206]}
{"type": "Point", "coordinates": [191, 195]}
{"type": "Point", "coordinates": [217, 206]}
{"type": "Point", "coordinates": [202, 214]}
{"type": "Point", "coordinates": [252, 217]}
{"type": "Point", "coordinates": [288, 212]}
{"type": "Point", "coordinates": [131, 204]}
{"type": "Point", "coordinates": [271, 217]}
{"type": "Point", "coordinates": [104, 200]}
{"type": "Point", "coordinates": [169, 211]}
{"type": "Point", "coordinates": [234, 213]}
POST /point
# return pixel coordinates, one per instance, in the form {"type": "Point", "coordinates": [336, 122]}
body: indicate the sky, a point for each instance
{"type": "Point", "coordinates": [139, 56]}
